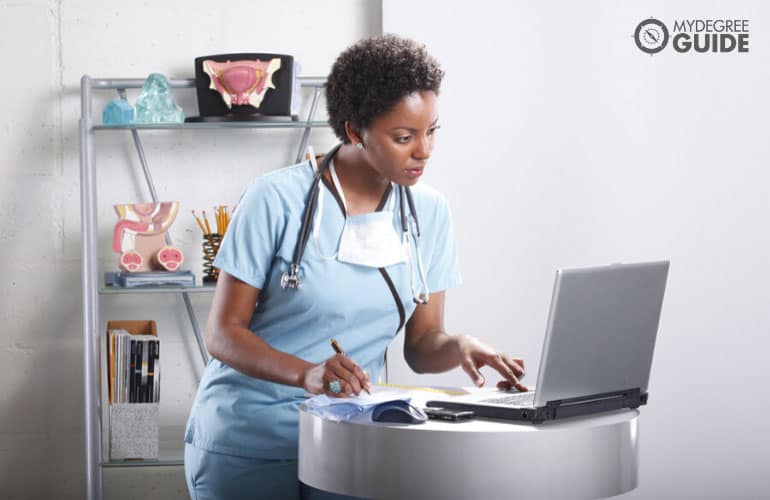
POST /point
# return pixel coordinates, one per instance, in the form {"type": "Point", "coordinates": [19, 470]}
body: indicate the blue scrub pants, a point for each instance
{"type": "Point", "coordinates": [214, 476]}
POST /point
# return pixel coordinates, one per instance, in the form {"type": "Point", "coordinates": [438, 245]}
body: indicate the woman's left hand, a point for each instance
{"type": "Point", "coordinates": [475, 354]}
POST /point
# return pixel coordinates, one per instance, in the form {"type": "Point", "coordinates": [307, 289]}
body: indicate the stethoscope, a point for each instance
{"type": "Point", "coordinates": [291, 278]}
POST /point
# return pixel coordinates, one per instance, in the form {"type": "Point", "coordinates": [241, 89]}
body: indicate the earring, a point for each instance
{"type": "Point", "coordinates": [360, 146]}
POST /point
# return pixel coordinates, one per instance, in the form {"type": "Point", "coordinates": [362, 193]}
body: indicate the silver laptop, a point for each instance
{"type": "Point", "coordinates": [598, 347]}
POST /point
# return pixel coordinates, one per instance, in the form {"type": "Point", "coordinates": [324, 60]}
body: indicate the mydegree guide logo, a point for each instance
{"type": "Point", "coordinates": [693, 35]}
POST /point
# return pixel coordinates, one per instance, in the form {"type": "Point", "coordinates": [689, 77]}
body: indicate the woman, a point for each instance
{"type": "Point", "coordinates": [357, 283]}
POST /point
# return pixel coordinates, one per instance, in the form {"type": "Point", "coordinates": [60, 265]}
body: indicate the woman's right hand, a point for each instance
{"type": "Point", "coordinates": [353, 379]}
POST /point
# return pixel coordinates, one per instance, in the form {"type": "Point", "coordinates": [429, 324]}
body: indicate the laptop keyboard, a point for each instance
{"type": "Point", "coordinates": [520, 399]}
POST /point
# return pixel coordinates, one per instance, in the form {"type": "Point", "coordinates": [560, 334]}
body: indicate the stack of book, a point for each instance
{"type": "Point", "coordinates": [134, 367]}
{"type": "Point", "coordinates": [149, 279]}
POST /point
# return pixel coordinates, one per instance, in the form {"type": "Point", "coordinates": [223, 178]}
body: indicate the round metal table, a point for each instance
{"type": "Point", "coordinates": [579, 458]}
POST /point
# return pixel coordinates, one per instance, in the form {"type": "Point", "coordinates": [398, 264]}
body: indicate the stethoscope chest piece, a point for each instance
{"type": "Point", "coordinates": [290, 280]}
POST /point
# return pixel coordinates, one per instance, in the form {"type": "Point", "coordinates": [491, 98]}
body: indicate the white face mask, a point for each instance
{"type": "Point", "coordinates": [368, 239]}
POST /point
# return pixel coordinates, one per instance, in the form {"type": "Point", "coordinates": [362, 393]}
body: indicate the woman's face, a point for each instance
{"type": "Point", "coordinates": [398, 144]}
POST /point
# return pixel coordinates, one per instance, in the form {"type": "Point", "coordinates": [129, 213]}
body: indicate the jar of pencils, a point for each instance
{"type": "Point", "coordinates": [212, 240]}
{"type": "Point", "coordinates": [211, 243]}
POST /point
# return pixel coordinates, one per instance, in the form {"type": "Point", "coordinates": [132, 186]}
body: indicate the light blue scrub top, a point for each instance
{"type": "Point", "coordinates": [240, 415]}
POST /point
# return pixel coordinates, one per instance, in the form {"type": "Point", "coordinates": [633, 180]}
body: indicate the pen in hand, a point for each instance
{"type": "Point", "coordinates": [339, 350]}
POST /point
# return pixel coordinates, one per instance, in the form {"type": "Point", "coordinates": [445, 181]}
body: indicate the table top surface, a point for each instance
{"type": "Point", "coordinates": [419, 398]}
{"type": "Point", "coordinates": [441, 460]}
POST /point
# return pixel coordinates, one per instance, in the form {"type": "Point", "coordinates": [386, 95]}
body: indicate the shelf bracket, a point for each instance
{"type": "Point", "coordinates": [154, 195]}
{"type": "Point", "coordinates": [306, 133]}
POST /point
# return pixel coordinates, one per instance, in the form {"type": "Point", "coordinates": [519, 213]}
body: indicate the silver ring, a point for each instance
{"type": "Point", "coordinates": [335, 386]}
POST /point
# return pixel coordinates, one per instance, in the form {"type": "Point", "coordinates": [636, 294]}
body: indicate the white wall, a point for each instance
{"type": "Point", "coordinates": [47, 46]}
{"type": "Point", "coordinates": [564, 145]}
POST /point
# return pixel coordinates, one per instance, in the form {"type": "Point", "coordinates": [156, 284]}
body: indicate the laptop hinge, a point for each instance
{"type": "Point", "coordinates": [572, 407]}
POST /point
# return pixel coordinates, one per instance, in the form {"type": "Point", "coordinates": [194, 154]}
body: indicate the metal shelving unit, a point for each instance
{"type": "Point", "coordinates": [90, 278]}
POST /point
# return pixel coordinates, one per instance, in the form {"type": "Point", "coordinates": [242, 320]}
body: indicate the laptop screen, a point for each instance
{"type": "Point", "coordinates": [601, 330]}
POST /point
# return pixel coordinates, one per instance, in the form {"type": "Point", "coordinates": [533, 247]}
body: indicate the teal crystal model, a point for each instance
{"type": "Point", "coordinates": [118, 112]}
{"type": "Point", "coordinates": [155, 103]}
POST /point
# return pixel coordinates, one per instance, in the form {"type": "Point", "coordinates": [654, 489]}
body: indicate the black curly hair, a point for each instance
{"type": "Point", "coordinates": [371, 76]}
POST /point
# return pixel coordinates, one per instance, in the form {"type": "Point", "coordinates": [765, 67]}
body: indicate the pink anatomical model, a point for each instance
{"type": "Point", "coordinates": [140, 237]}
{"type": "Point", "coordinates": [241, 82]}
